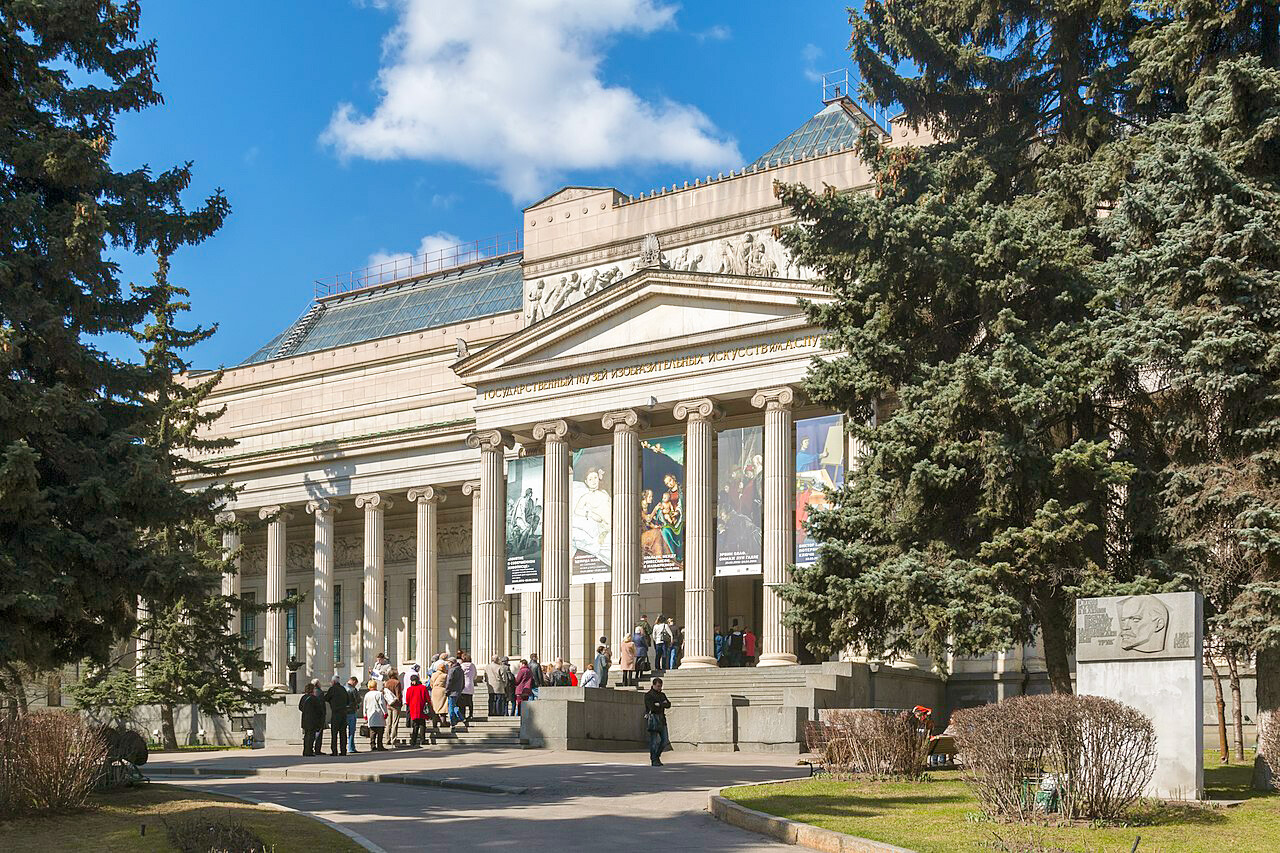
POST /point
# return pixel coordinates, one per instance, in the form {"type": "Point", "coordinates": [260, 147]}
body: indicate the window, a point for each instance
{"type": "Point", "coordinates": [464, 613]}
{"type": "Point", "coordinates": [337, 625]}
{"type": "Point", "coordinates": [291, 626]}
{"type": "Point", "coordinates": [514, 617]}
{"type": "Point", "coordinates": [249, 620]}
{"type": "Point", "coordinates": [413, 618]}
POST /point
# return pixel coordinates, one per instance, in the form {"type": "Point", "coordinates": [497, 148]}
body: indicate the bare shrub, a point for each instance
{"type": "Point", "coordinates": [125, 744]}
{"type": "Point", "coordinates": [866, 741]}
{"type": "Point", "coordinates": [207, 833]}
{"type": "Point", "coordinates": [51, 761]}
{"type": "Point", "coordinates": [1101, 752]}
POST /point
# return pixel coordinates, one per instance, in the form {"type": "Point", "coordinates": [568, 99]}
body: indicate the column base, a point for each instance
{"type": "Point", "coordinates": [698, 663]}
{"type": "Point", "coordinates": [778, 659]}
{"type": "Point", "coordinates": [277, 688]}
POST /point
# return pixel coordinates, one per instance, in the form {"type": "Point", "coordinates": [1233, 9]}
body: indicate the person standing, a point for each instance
{"type": "Point", "coordinates": [392, 689]}
{"type": "Point", "coordinates": [535, 670]}
{"type": "Point", "coordinates": [559, 675]}
{"type": "Point", "coordinates": [312, 708]}
{"type": "Point", "coordinates": [523, 685]}
{"type": "Point", "coordinates": [355, 706]}
{"type": "Point", "coordinates": [661, 643]}
{"type": "Point", "coordinates": [454, 682]}
{"type": "Point", "coordinates": [491, 678]}
{"type": "Point", "coordinates": [589, 677]}
{"type": "Point", "coordinates": [375, 714]}
{"type": "Point", "coordinates": [381, 668]}
{"type": "Point", "coordinates": [641, 638]}
{"type": "Point", "coordinates": [748, 647]}
{"type": "Point", "coordinates": [719, 646]}
{"type": "Point", "coordinates": [508, 675]}
{"type": "Point", "coordinates": [602, 664]}
{"type": "Point", "coordinates": [734, 650]}
{"type": "Point", "coordinates": [468, 687]}
{"type": "Point", "coordinates": [439, 691]}
{"type": "Point", "coordinates": [656, 704]}
{"type": "Point", "coordinates": [677, 644]}
{"type": "Point", "coordinates": [336, 698]}
{"type": "Point", "coordinates": [415, 701]}
{"type": "Point", "coordinates": [627, 661]}
{"type": "Point", "coordinates": [647, 628]}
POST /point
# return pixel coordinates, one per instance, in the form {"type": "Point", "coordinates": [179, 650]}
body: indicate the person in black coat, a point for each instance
{"type": "Point", "coordinates": [656, 704]}
{"type": "Point", "coordinates": [312, 708]}
{"type": "Point", "coordinates": [337, 699]}
{"type": "Point", "coordinates": [455, 681]}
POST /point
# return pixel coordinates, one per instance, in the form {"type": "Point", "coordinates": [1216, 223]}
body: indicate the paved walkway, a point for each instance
{"type": "Point", "coordinates": [573, 800]}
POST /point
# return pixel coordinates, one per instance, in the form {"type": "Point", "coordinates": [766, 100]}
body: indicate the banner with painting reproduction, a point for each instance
{"type": "Point", "coordinates": [591, 515]}
{"type": "Point", "coordinates": [740, 502]}
{"type": "Point", "coordinates": [524, 525]}
{"type": "Point", "coordinates": [820, 466]}
{"type": "Point", "coordinates": [662, 509]}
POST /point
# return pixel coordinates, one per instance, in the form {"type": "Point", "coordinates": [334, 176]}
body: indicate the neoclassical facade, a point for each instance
{"type": "Point", "coordinates": [526, 450]}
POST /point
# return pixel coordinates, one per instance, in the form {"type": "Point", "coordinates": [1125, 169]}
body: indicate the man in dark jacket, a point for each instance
{"type": "Point", "coordinates": [337, 700]}
{"type": "Point", "coordinates": [535, 670]}
{"type": "Point", "coordinates": [454, 682]}
{"type": "Point", "coordinates": [355, 702]}
{"type": "Point", "coordinates": [312, 708]}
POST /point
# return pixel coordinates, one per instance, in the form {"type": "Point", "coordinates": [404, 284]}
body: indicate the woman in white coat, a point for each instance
{"type": "Point", "coordinates": [375, 712]}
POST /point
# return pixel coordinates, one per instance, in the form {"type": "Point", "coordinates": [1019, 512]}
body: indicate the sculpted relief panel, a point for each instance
{"type": "Point", "coordinates": [348, 551]}
{"type": "Point", "coordinates": [756, 253]}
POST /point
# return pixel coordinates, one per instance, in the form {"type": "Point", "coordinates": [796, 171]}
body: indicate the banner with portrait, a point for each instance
{"type": "Point", "coordinates": [591, 515]}
{"type": "Point", "coordinates": [662, 509]}
{"type": "Point", "coordinates": [524, 525]}
{"type": "Point", "coordinates": [820, 461]}
{"type": "Point", "coordinates": [740, 501]}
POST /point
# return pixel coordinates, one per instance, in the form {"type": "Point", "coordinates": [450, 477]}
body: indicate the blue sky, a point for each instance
{"type": "Point", "coordinates": [346, 131]}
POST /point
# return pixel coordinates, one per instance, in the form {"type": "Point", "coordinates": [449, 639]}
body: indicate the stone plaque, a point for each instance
{"type": "Point", "coordinates": [1137, 627]}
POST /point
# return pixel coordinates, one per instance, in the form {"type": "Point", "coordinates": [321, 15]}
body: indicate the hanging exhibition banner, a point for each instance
{"type": "Point", "coordinates": [820, 444]}
{"type": "Point", "coordinates": [662, 509]}
{"type": "Point", "coordinates": [590, 515]}
{"type": "Point", "coordinates": [740, 501]}
{"type": "Point", "coordinates": [524, 525]}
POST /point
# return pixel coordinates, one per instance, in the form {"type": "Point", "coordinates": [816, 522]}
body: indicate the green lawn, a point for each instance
{"type": "Point", "coordinates": [941, 816]}
{"type": "Point", "coordinates": [115, 823]}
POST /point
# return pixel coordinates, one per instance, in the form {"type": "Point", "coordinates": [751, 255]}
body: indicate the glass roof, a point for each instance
{"type": "Point", "coordinates": [451, 297]}
{"type": "Point", "coordinates": [834, 127]}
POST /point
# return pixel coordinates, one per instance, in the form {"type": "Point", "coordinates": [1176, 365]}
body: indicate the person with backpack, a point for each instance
{"type": "Point", "coordinates": [734, 651]}
{"type": "Point", "coordinates": [507, 688]}
{"type": "Point", "coordinates": [661, 643]}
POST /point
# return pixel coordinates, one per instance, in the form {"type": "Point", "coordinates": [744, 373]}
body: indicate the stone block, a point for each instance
{"type": "Point", "coordinates": [771, 728]}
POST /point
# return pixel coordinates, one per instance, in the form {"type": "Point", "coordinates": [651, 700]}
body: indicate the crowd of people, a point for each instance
{"type": "Point", "coordinates": [441, 692]}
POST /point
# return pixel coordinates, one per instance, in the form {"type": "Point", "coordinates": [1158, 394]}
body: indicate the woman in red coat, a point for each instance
{"type": "Point", "coordinates": [524, 684]}
{"type": "Point", "coordinates": [415, 700]}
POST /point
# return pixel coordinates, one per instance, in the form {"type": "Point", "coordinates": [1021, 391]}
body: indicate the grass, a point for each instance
{"type": "Point", "coordinates": [941, 816]}
{"type": "Point", "coordinates": [114, 823]}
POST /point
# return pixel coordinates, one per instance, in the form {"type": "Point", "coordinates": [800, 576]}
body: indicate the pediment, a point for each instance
{"type": "Point", "coordinates": [650, 311]}
{"type": "Point", "coordinates": [569, 194]}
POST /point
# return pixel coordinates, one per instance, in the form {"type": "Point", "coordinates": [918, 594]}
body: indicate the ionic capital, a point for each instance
{"type": "Point", "coordinates": [426, 495]}
{"type": "Point", "coordinates": [277, 512]}
{"type": "Point", "coordinates": [625, 420]}
{"type": "Point", "coordinates": [703, 409]}
{"type": "Point", "coordinates": [322, 506]}
{"type": "Point", "coordinates": [471, 488]}
{"type": "Point", "coordinates": [227, 516]}
{"type": "Point", "coordinates": [491, 440]}
{"type": "Point", "coordinates": [373, 502]}
{"type": "Point", "coordinates": [557, 430]}
{"type": "Point", "coordinates": [774, 399]}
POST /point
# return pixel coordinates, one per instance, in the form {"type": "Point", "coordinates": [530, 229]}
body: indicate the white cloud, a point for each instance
{"type": "Point", "coordinates": [435, 251]}
{"type": "Point", "coordinates": [514, 88]}
{"type": "Point", "coordinates": [811, 53]}
{"type": "Point", "coordinates": [718, 32]}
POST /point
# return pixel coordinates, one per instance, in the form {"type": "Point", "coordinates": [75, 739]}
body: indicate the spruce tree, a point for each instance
{"type": "Point", "coordinates": [78, 486]}
{"type": "Point", "coordinates": [185, 654]}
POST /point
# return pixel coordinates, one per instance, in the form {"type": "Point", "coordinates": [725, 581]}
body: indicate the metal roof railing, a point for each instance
{"type": "Point", "coordinates": [417, 266]}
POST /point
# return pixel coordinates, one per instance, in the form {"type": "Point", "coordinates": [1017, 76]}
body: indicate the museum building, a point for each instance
{"type": "Point", "coordinates": [524, 444]}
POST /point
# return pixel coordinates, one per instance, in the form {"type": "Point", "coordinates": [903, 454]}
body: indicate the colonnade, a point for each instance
{"type": "Point", "coordinates": [547, 612]}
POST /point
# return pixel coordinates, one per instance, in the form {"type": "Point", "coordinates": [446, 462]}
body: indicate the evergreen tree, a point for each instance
{"type": "Point", "coordinates": [998, 462]}
{"type": "Point", "coordinates": [77, 486]}
{"type": "Point", "coordinates": [185, 655]}
{"type": "Point", "coordinates": [1194, 269]}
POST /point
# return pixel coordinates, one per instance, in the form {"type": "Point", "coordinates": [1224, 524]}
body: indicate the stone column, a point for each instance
{"type": "Point", "coordinates": [275, 646]}
{"type": "Point", "coordinates": [490, 557]}
{"type": "Point", "coordinates": [556, 550]}
{"type": "Point", "coordinates": [426, 578]}
{"type": "Point", "coordinates": [372, 638]}
{"type": "Point", "coordinates": [699, 532]}
{"type": "Point", "coordinates": [471, 489]}
{"type": "Point", "coordinates": [625, 577]}
{"type": "Point", "coordinates": [320, 649]}
{"type": "Point", "coordinates": [230, 551]}
{"type": "Point", "coordinates": [779, 521]}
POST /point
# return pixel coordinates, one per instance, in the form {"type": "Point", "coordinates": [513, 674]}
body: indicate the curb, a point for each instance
{"type": "Point", "coordinates": [339, 776]}
{"type": "Point", "coordinates": [349, 833]}
{"type": "Point", "coordinates": [790, 831]}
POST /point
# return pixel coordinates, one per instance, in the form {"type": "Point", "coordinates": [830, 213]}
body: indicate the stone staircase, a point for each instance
{"type": "Point", "coordinates": [754, 685]}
